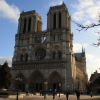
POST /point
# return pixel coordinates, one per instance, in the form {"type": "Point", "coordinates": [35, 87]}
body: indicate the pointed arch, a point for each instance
{"type": "Point", "coordinates": [54, 80]}
{"type": "Point", "coordinates": [36, 81]}
{"type": "Point", "coordinates": [55, 77]}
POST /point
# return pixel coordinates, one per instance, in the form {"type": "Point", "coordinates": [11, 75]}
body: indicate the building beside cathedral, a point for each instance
{"type": "Point", "coordinates": [45, 59]}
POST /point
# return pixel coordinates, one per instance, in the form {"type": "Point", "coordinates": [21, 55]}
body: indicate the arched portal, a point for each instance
{"type": "Point", "coordinates": [54, 81]}
{"type": "Point", "coordinates": [36, 81]}
{"type": "Point", "coordinates": [20, 84]}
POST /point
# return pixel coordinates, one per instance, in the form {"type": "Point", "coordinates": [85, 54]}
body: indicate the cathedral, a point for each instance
{"type": "Point", "coordinates": [44, 60]}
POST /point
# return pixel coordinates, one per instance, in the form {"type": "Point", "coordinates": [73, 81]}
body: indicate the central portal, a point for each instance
{"type": "Point", "coordinates": [36, 81]}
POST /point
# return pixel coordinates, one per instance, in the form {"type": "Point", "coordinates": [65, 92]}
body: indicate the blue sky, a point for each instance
{"type": "Point", "coordinates": [81, 11]}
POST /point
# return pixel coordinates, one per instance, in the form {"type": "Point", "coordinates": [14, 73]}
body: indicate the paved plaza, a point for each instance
{"type": "Point", "coordinates": [62, 97]}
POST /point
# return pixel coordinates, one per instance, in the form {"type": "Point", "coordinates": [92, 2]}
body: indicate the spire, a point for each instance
{"type": "Point", "coordinates": [82, 49]}
{"type": "Point", "coordinates": [83, 52]}
{"type": "Point", "coordinates": [63, 3]}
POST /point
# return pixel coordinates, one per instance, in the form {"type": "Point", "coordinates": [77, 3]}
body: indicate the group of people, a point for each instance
{"type": "Point", "coordinates": [76, 92]}
{"type": "Point", "coordinates": [67, 94]}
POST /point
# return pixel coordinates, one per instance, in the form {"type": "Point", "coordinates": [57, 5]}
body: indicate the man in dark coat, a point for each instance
{"type": "Point", "coordinates": [67, 94]}
{"type": "Point", "coordinates": [78, 95]}
{"type": "Point", "coordinates": [54, 93]}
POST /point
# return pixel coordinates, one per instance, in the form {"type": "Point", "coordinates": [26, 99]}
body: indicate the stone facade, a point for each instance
{"type": "Point", "coordinates": [47, 56]}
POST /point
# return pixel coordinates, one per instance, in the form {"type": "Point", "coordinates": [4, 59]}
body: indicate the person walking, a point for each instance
{"type": "Point", "coordinates": [78, 95]}
{"type": "Point", "coordinates": [67, 94]}
{"type": "Point", "coordinates": [54, 93]}
{"type": "Point", "coordinates": [91, 93]}
{"type": "Point", "coordinates": [40, 92]}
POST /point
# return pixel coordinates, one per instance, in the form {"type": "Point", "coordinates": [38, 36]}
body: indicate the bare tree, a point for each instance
{"type": "Point", "coordinates": [91, 25]}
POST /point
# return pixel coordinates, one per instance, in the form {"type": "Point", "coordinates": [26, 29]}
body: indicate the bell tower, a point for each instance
{"type": "Point", "coordinates": [29, 22]}
{"type": "Point", "coordinates": [58, 17]}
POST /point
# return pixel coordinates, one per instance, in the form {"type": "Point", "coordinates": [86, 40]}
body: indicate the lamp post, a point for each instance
{"type": "Point", "coordinates": [18, 78]}
{"type": "Point", "coordinates": [45, 89]}
{"type": "Point", "coordinates": [59, 89]}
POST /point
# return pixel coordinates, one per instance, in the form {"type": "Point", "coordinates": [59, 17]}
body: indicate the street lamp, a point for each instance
{"type": "Point", "coordinates": [59, 89]}
{"type": "Point", "coordinates": [18, 78]}
{"type": "Point", "coordinates": [45, 89]}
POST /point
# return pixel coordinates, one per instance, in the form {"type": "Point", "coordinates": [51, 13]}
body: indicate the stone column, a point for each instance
{"type": "Point", "coordinates": [35, 24]}
{"type": "Point", "coordinates": [32, 24]}
{"type": "Point", "coordinates": [67, 21]}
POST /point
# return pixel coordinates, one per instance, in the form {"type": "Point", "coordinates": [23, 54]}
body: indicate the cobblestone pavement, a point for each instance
{"type": "Point", "coordinates": [62, 97]}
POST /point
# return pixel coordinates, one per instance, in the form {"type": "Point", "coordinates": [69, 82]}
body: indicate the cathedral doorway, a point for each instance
{"type": "Point", "coordinates": [54, 80]}
{"type": "Point", "coordinates": [36, 81]}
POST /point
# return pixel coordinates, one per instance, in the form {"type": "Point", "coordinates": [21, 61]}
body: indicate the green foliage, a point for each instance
{"type": "Point", "coordinates": [5, 76]}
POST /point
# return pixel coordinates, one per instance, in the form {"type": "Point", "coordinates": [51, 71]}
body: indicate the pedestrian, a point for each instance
{"type": "Point", "coordinates": [91, 93]}
{"type": "Point", "coordinates": [54, 93]}
{"type": "Point", "coordinates": [78, 94]}
{"type": "Point", "coordinates": [26, 92]}
{"type": "Point", "coordinates": [67, 94]}
{"type": "Point", "coordinates": [40, 92]}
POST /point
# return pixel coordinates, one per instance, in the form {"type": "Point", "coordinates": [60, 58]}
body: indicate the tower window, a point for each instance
{"type": "Point", "coordinates": [59, 55]}
{"type": "Point", "coordinates": [54, 38]}
{"type": "Point", "coordinates": [21, 57]}
{"type": "Point", "coordinates": [28, 41]}
{"type": "Point", "coordinates": [54, 55]}
{"type": "Point", "coordinates": [26, 57]}
{"type": "Point", "coordinates": [22, 41]}
{"type": "Point", "coordinates": [54, 21]}
{"type": "Point", "coordinates": [59, 37]}
{"type": "Point", "coordinates": [29, 25]}
{"type": "Point", "coordinates": [59, 20]}
{"type": "Point", "coordinates": [24, 26]}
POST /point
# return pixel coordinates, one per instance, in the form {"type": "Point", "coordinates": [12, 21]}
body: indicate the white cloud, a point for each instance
{"type": "Point", "coordinates": [86, 9]}
{"type": "Point", "coordinates": [93, 63]}
{"type": "Point", "coordinates": [9, 11]}
{"type": "Point", "coordinates": [55, 2]}
{"type": "Point", "coordinates": [8, 59]}
{"type": "Point", "coordinates": [78, 47]}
